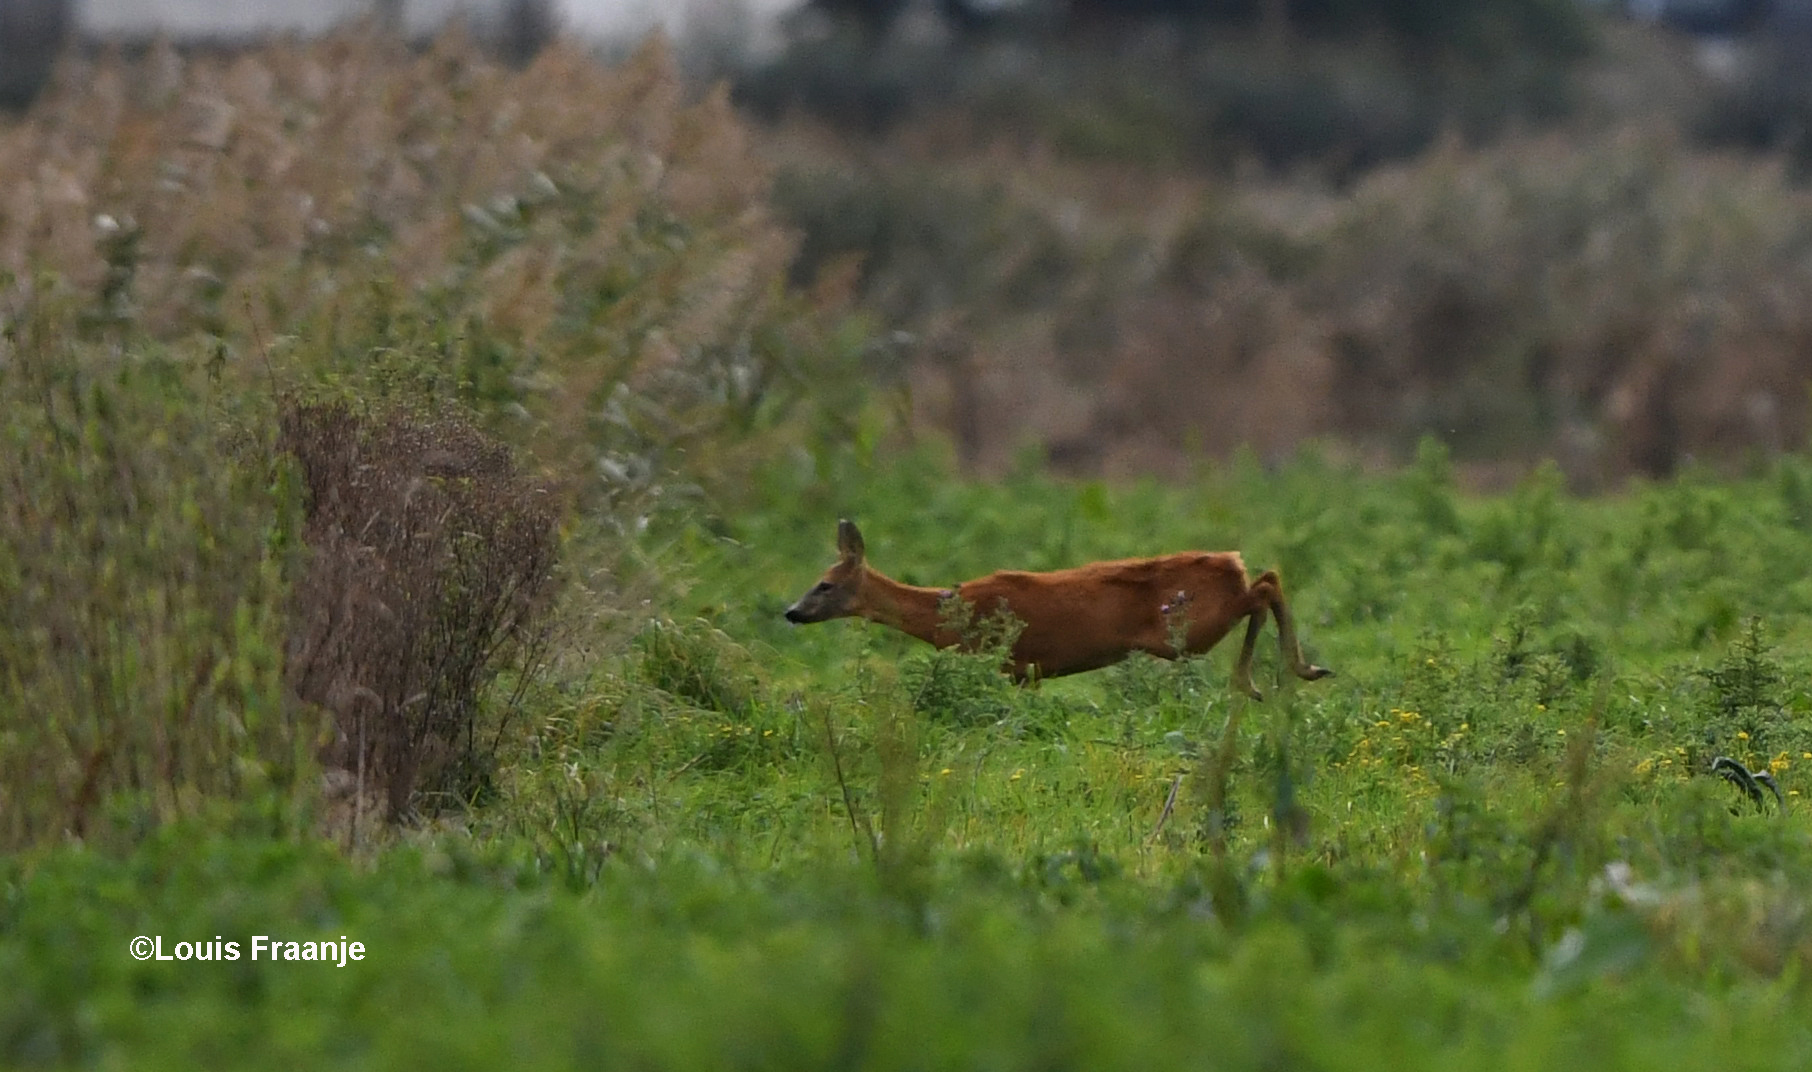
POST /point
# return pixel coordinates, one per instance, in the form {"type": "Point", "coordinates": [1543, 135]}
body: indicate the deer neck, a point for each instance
{"type": "Point", "coordinates": [907, 607]}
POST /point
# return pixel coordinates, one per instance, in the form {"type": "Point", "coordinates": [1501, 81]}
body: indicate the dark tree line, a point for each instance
{"type": "Point", "coordinates": [1471, 27]}
{"type": "Point", "coordinates": [31, 34]}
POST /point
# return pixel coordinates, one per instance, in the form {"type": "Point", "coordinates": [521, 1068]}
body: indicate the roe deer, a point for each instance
{"type": "Point", "coordinates": [1075, 619]}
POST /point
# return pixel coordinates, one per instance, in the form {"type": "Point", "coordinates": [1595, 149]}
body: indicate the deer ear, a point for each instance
{"type": "Point", "coordinates": [849, 540]}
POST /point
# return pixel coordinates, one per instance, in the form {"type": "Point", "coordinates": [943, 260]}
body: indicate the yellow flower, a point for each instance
{"type": "Point", "coordinates": [944, 773]}
{"type": "Point", "coordinates": [1541, 707]}
{"type": "Point", "coordinates": [1017, 775]}
{"type": "Point", "coordinates": [1645, 766]}
{"type": "Point", "coordinates": [1409, 716]}
{"type": "Point", "coordinates": [1778, 763]}
{"type": "Point", "coordinates": [1742, 735]}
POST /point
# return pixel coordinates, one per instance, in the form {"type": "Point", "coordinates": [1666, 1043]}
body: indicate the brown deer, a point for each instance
{"type": "Point", "coordinates": [1075, 619]}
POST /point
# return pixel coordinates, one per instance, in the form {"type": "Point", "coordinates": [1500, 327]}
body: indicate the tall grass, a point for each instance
{"type": "Point", "coordinates": [143, 564]}
{"type": "Point", "coordinates": [582, 253]}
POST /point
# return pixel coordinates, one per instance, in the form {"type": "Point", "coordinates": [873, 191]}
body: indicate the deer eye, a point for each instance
{"type": "Point", "coordinates": [823, 586]}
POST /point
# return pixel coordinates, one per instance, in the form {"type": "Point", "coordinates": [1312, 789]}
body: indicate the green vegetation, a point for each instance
{"type": "Point", "coordinates": [420, 585]}
{"type": "Point", "coordinates": [1491, 842]}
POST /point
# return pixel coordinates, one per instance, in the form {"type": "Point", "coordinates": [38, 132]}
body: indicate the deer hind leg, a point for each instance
{"type": "Point", "coordinates": [1270, 589]}
{"type": "Point", "coordinates": [1242, 670]}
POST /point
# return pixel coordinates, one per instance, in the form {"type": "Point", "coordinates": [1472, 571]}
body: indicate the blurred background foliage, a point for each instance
{"type": "Point", "coordinates": [1127, 235]}
{"type": "Point", "coordinates": [1131, 234]}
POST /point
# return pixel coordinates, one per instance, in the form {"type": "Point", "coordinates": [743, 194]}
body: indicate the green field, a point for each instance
{"type": "Point", "coordinates": [1490, 842]}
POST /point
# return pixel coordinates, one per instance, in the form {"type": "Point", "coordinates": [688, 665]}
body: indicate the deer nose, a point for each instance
{"type": "Point", "coordinates": [793, 615]}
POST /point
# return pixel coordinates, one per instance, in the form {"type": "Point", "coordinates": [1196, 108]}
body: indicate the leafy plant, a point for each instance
{"type": "Point", "coordinates": [1745, 712]}
{"type": "Point", "coordinates": [964, 684]}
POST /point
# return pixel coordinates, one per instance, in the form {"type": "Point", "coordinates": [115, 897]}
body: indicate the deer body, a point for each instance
{"type": "Point", "coordinates": [1075, 619]}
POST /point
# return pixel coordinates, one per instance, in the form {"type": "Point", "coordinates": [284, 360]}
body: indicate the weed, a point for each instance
{"type": "Point", "coordinates": [963, 684]}
{"type": "Point", "coordinates": [1744, 712]}
{"type": "Point", "coordinates": [698, 664]}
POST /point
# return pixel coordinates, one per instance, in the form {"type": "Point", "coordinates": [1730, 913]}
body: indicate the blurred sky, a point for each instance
{"type": "Point", "coordinates": [593, 18]}
{"type": "Point", "coordinates": [606, 18]}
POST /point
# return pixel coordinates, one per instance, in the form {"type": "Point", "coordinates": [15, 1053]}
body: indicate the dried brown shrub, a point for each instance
{"type": "Point", "coordinates": [431, 562]}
